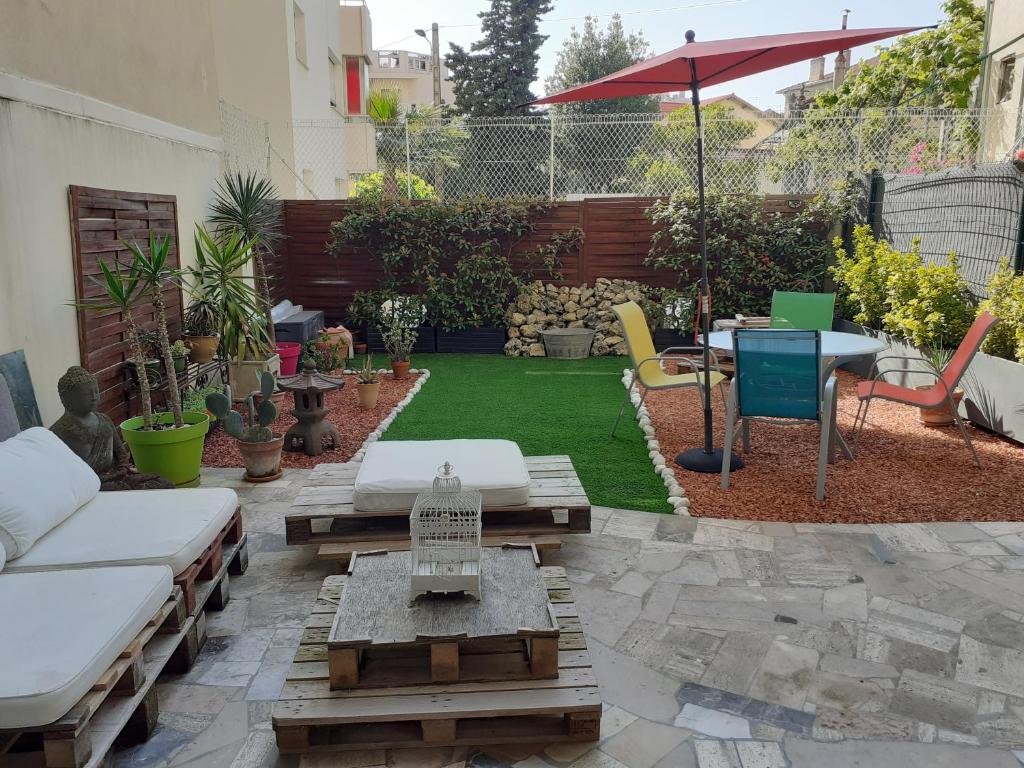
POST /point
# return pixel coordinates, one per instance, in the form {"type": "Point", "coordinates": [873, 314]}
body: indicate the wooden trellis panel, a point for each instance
{"type": "Point", "coordinates": [100, 220]}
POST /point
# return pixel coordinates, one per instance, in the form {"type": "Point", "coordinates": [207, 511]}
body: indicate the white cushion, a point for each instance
{"type": "Point", "coordinates": [163, 527]}
{"type": "Point", "coordinates": [393, 472]}
{"type": "Point", "coordinates": [65, 629]}
{"type": "Point", "coordinates": [42, 482]}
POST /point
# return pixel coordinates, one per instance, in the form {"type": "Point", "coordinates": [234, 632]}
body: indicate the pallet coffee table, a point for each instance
{"type": "Point", "coordinates": [323, 512]}
{"type": "Point", "coordinates": [435, 686]}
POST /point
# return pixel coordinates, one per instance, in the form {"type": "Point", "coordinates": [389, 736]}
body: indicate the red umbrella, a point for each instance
{"type": "Point", "coordinates": [691, 67]}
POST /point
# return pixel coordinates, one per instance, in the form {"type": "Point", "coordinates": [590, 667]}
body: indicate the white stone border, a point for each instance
{"type": "Point", "coordinates": [677, 498]}
{"type": "Point", "coordinates": [387, 421]}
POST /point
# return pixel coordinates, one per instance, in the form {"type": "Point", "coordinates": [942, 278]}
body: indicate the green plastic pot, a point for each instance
{"type": "Point", "coordinates": [174, 454]}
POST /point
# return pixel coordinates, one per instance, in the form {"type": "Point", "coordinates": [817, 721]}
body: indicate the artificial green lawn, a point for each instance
{"type": "Point", "coordinates": [547, 406]}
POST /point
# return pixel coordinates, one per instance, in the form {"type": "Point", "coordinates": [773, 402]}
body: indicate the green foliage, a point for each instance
{"type": "Point", "coordinates": [493, 77]}
{"type": "Point", "coordinates": [326, 356]}
{"type": "Point", "coordinates": [1006, 301]}
{"type": "Point", "coordinates": [195, 399]}
{"type": "Point", "coordinates": [367, 373]}
{"type": "Point", "coordinates": [593, 53]}
{"type": "Point", "coordinates": [248, 205]}
{"type": "Point", "coordinates": [218, 277]}
{"type": "Point", "coordinates": [259, 418]}
{"type": "Point", "coordinates": [457, 255]}
{"type": "Point", "coordinates": [400, 319]}
{"type": "Point", "coordinates": [863, 276]}
{"type": "Point", "coordinates": [751, 252]}
{"type": "Point", "coordinates": [371, 187]}
{"type": "Point", "coordinates": [930, 305]}
{"type": "Point", "coordinates": [179, 348]}
{"type": "Point", "coordinates": [201, 318]}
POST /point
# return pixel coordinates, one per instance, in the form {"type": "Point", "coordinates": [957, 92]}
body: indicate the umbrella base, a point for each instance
{"type": "Point", "coordinates": [698, 460]}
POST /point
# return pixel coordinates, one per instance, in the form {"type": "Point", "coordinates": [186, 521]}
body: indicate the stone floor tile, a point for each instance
{"type": "Point", "coordinates": [711, 722]}
{"type": "Point", "coordinates": [991, 667]}
{"type": "Point", "coordinates": [230, 727]}
{"type": "Point", "coordinates": [230, 673]}
{"type": "Point", "coordinates": [760, 754]}
{"type": "Point", "coordinates": [193, 699]}
{"type": "Point", "coordinates": [835, 725]}
{"type": "Point", "coordinates": [631, 525]}
{"type": "Point", "coordinates": [716, 754]}
{"type": "Point", "coordinates": [846, 602]}
{"type": "Point", "coordinates": [642, 743]}
{"type": "Point", "coordinates": [633, 583]}
{"type": "Point", "coordinates": [850, 667]}
{"type": "Point", "coordinates": [944, 703]}
{"type": "Point", "coordinates": [785, 674]}
{"type": "Point", "coordinates": [717, 536]}
{"type": "Point", "coordinates": [659, 602]}
{"type": "Point", "coordinates": [737, 661]}
{"type": "Point", "coordinates": [861, 754]}
{"type": "Point", "coordinates": [919, 615]}
{"type": "Point", "coordinates": [847, 693]}
{"type": "Point", "coordinates": [357, 758]}
{"type": "Point", "coordinates": [596, 759]}
{"type": "Point", "coordinates": [682, 756]}
{"type": "Point", "coordinates": [696, 569]}
{"type": "Point", "coordinates": [632, 686]}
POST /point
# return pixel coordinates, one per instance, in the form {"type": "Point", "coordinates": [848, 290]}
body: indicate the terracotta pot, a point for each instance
{"type": "Point", "coordinates": [400, 369]}
{"type": "Point", "coordinates": [368, 394]}
{"type": "Point", "coordinates": [941, 416]}
{"type": "Point", "coordinates": [359, 347]}
{"type": "Point", "coordinates": [204, 348]}
{"type": "Point", "coordinates": [262, 460]}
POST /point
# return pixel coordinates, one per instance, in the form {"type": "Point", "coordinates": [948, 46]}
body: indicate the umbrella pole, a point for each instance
{"type": "Point", "coordinates": [706, 459]}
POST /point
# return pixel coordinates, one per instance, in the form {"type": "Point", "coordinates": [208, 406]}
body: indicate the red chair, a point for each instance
{"type": "Point", "coordinates": [939, 394]}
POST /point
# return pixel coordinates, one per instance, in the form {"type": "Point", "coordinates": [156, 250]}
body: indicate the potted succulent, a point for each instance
{"type": "Point", "coordinates": [202, 330]}
{"type": "Point", "coordinates": [938, 358]}
{"type": "Point", "coordinates": [259, 446]}
{"type": "Point", "coordinates": [149, 340]}
{"type": "Point", "coordinates": [400, 321]}
{"type": "Point", "coordinates": [179, 353]}
{"type": "Point", "coordinates": [368, 385]}
{"type": "Point", "coordinates": [219, 276]}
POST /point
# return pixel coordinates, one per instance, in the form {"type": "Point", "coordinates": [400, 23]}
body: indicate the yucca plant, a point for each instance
{"type": "Point", "coordinates": [123, 288]}
{"type": "Point", "coordinates": [152, 268]}
{"type": "Point", "coordinates": [218, 278]}
{"type": "Point", "coordinates": [249, 205]}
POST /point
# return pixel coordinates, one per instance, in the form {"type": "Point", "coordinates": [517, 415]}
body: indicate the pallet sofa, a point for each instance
{"type": "Point", "coordinates": [77, 567]}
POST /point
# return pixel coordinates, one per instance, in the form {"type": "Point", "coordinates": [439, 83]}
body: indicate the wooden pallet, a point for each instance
{"type": "Point", "coordinates": [123, 702]}
{"type": "Point", "coordinates": [310, 717]}
{"type": "Point", "coordinates": [323, 511]}
{"type": "Point", "coordinates": [210, 562]}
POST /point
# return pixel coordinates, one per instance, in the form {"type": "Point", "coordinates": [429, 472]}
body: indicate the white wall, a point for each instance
{"type": "Point", "coordinates": [41, 152]}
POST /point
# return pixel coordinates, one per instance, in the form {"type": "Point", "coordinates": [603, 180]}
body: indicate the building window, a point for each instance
{"type": "Point", "coordinates": [387, 60]}
{"type": "Point", "coordinates": [300, 33]}
{"type": "Point", "coordinates": [353, 86]}
{"type": "Point", "coordinates": [418, 63]}
{"type": "Point", "coordinates": [336, 81]}
{"type": "Point", "coordinates": [1004, 85]}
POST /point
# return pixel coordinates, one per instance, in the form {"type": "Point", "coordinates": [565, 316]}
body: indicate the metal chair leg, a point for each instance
{"type": "Point", "coordinates": [629, 391]}
{"type": "Point", "coordinates": [963, 430]}
{"type": "Point", "coordinates": [730, 426]}
{"type": "Point", "coordinates": [863, 420]}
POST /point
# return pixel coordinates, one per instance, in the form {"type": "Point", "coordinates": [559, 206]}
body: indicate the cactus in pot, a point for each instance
{"type": "Point", "coordinates": [368, 385]}
{"type": "Point", "coordinates": [259, 446]}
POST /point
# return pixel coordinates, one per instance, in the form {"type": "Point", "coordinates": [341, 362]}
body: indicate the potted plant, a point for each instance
{"type": "Point", "coordinates": [400, 320]}
{"type": "Point", "coordinates": [149, 340]}
{"type": "Point", "coordinates": [202, 330]}
{"type": "Point", "coordinates": [195, 400]}
{"type": "Point", "coordinates": [938, 358]}
{"type": "Point", "coordinates": [259, 446]}
{"type": "Point", "coordinates": [179, 353]}
{"type": "Point", "coordinates": [368, 385]}
{"type": "Point", "coordinates": [326, 356]}
{"type": "Point", "coordinates": [219, 277]}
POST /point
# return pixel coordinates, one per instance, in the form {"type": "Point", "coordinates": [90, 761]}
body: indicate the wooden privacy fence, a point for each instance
{"type": "Point", "coordinates": [617, 238]}
{"type": "Point", "coordinates": [100, 220]}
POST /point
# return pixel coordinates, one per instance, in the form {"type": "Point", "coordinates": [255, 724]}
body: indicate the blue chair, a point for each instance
{"type": "Point", "coordinates": [778, 376]}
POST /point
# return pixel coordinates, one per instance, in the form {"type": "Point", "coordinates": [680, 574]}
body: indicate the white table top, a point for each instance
{"type": "Point", "coordinates": [833, 343]}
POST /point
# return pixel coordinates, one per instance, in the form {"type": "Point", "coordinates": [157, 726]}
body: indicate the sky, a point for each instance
{"type": "Point", "coordinates": [663, 24]}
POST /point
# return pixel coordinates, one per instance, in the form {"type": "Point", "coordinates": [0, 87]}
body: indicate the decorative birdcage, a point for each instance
{"type": "Point", "coordinates": [445, 530]}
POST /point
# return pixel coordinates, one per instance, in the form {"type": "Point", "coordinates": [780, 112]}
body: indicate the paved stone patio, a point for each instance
{"type": "Point", "coordinates": [717, 643]}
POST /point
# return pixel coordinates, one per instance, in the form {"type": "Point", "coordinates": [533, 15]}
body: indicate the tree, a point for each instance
{"type": "Point", "coordinates": [493, 78]}
{"type": "Point", "coordinates": [591, 154]}
{"type": "Point", "coordinates": [593, 53]}
{"type": "Point", "coordinates": [666, 160]}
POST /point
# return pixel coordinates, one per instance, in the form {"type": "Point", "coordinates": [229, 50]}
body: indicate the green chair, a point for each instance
{"type": "Point", "coordinates": [803, 311]}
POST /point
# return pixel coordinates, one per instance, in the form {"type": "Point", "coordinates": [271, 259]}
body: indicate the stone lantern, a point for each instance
{"type": "Point", "coordinates": [308, 389]}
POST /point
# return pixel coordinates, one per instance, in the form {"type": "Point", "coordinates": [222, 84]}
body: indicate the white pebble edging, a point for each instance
{"type": "Point", "coordinates": [676, 495]}
{"type": "Point", "coordinates": [388, 420]}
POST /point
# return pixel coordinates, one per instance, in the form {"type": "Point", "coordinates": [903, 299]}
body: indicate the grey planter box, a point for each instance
{"type": "Point", "coordinates": [993, 387]}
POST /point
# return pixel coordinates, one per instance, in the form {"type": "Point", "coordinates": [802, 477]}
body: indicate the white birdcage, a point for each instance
{"type": "Point", "coordinates": [445, 530]}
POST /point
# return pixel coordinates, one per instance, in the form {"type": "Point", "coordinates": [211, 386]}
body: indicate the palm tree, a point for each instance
{"type": "Point", "coordinates": [249, 205]}
{"type": "Point", "coordinates": [156, 275]}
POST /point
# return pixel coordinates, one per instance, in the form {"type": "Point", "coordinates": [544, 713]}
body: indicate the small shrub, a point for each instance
{"type": "Point", "coordinates": [326, 356]}
{"type": "Point", "coordinates": [863, 276]}
{"type": "Point", "coordinates": [1006, 301]}
{"type": "Point", "coordinates": [931, 306]}
{"type": "Point", "coordinates": [371, 187]}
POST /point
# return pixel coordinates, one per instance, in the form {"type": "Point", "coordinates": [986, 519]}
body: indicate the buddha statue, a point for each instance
{"type": "Point", "coordinates": [95, 438]}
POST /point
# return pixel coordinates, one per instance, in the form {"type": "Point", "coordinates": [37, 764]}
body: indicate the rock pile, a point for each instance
{"type": "Point", "coordinates": [543, 306]}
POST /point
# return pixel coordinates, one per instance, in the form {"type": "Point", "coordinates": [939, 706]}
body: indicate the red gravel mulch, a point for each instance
{"type": "Point", "coordinates": [353, 424]}
{"type": "Point", "coordinates": [903, 471]}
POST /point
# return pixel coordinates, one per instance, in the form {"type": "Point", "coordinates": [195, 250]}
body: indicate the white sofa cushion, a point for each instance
{"type": "Point", "coordinates": [163, 527]}
{"type": "Point", "coordinates": [393, 472]}
{"type": "Point", "coordinates": [42, 482]}
{"type": "Point", "coordinates": [67, 628]}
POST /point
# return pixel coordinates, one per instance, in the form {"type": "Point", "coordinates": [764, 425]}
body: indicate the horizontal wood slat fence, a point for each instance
{"type": "Point", "coordinates": [100, 220]}
{"type": "Point", "coordinates": [617, 237]}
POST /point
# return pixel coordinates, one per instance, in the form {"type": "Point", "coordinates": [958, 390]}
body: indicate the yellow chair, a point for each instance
{"type": "Point", "coordinates": [647, 363]}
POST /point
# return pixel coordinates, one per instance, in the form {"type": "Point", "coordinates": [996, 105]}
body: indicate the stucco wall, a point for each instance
{"type": "Point", "coordinates": [41, 153]}
{"type": "Point", "coordinates": [151, 56]}
{"type": "Point", "coordinates": [1005, 24]}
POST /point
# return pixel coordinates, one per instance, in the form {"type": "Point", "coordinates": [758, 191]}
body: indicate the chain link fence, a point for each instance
{"type": "Point", "coordinates": [570, 157]}
{"type": "Point", "coordinates": [246, 141]}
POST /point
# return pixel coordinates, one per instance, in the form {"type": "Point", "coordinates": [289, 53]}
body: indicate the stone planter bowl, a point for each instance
{"type": "Point", "coordinates": [568, 343]}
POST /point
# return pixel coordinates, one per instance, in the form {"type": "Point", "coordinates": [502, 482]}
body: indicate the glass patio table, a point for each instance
{"type": "Point", "coordinates": [836, 348]}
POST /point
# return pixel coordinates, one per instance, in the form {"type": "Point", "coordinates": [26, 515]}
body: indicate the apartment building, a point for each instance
{"type": "Point", "coordinates": [412, 74]}
{"type": "Point", "coordinates": [1001, 88]}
